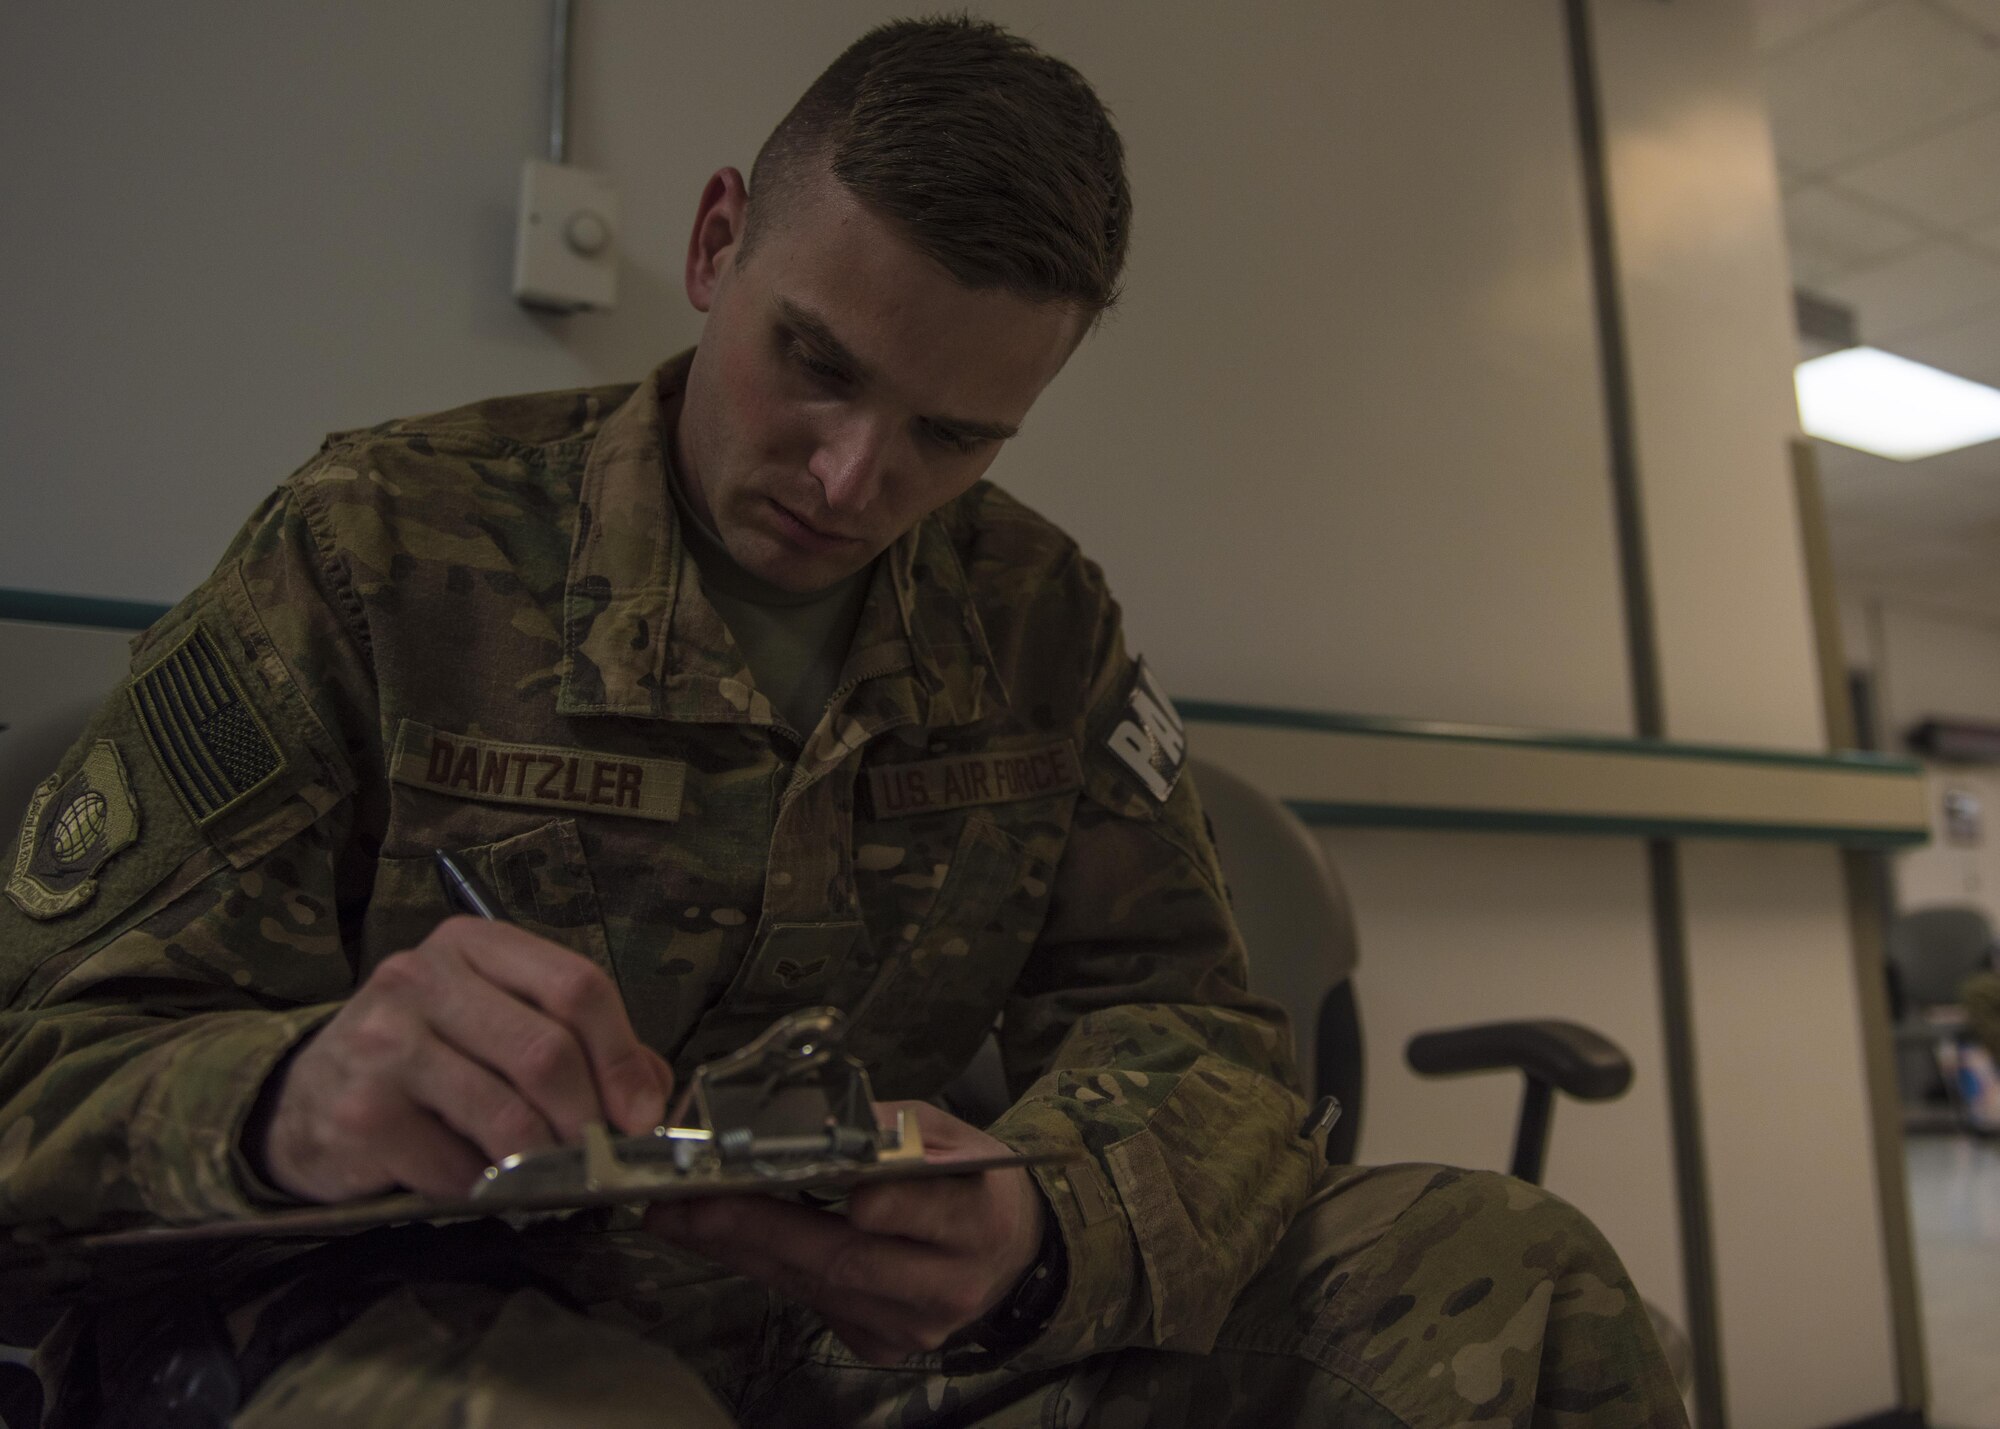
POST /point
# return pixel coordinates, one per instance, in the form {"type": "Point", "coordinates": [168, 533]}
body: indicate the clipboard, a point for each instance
{"type": "Point", "coordinates": [789, 1113]}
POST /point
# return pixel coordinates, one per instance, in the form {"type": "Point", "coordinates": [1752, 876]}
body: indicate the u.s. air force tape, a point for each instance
{"type": "Point", "coordinates": [959, 781]}
{"type": "Point", "coordinates": [501, 772]}
{"type": "Point", "coordinates": [1150, 740]}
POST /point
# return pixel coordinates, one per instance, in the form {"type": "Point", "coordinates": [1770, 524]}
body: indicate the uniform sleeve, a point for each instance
{"type": "Point", "coordinates": [172, 924]}
{"type": "Point", "coordinates": [1146, 1059]}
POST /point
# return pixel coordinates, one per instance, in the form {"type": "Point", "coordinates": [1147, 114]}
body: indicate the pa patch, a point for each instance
{"type": "Point", "coordinates": [1150, 740]}
{"type": "Point", "coordinates": [211, 745]}
{"type": "Point", "coordinates": [70, 830]}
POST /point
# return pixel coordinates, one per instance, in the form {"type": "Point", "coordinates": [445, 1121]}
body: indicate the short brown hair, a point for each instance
{"type": "Point", "coordinates": [1000, 161]}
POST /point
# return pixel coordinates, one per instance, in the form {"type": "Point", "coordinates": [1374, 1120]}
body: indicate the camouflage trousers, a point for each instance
{"type": "Point", "coordinates": [1403, 1295]}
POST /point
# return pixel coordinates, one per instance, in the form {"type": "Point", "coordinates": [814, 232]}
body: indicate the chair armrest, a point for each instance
{"type": "Point", "coordinates": [1573, 1059]}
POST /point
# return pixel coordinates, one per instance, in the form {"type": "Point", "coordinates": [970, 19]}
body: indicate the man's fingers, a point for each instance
{"type": "Point", "coordinates": [881, 1311]}
{"type": "Point", "coordinates": [635, 1094]}
{"type": "Point", "coordinates": [487, 1111]}
{"type": "Point", "coordinates": [813, 1256]}
{"type": "Point", "coordinates": [483, 1042]}
{"type": "Point", "coordinates": [425, 1155]}
{"type": "Point", "coordinates": [581, 996]}
{"type": "Point", "coordinates": [939, 1211]}
{"type": "Point", "coordinates": [663, 1073]}
{"type": "Point", "coordinates": [768, 1227]}
{"type": "Point", "coordinates": [946, 1138]}
{"type": "Point", "coordinates": [947, 1211]}
{"type": "Point", "coordinates": [540, 1057]}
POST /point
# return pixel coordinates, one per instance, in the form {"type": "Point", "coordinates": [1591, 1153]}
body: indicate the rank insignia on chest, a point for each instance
{"type": "Point", "coordinates": [496, 771]}
{"type": "Point", "coordinates": [71, 829]}
{"type": "Point", "coordinates": [1150, 740]}
{"type": "Point", "coordinates": [960, 781]}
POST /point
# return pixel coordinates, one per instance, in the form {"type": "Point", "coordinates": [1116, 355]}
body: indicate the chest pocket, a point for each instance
{"type": "Point", "coordinates": [540, 878]}
{"type": "Point", "coordinates": [944, 976]}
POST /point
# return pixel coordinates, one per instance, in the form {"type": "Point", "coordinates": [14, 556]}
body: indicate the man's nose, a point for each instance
{"type": "Point", "coordinates": [848, 463]}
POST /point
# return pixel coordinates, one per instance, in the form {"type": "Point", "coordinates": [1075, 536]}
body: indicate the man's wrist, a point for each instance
{"type": "Point", "coordinates": [1026, 1309]}
{"type": "Point", "coordinates": [186, 1130]}
{"type": "Point", "coordinates": [252, 1159]}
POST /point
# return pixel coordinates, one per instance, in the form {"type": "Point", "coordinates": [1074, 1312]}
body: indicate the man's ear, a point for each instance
{"type": "Point", "coordinates": [718, 234]}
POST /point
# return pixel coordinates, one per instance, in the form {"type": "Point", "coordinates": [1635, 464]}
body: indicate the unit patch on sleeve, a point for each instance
{"type": "Point", "coordinates": [211, 744]}
{"type": "Point", "coordinates": [70, 831]}
{"type": "Point", "coordinates": [899, 790]}
{"type": "Point", "coordinates": [499, 772]}
{"type": "Point", "coordinates": [1150, 740]}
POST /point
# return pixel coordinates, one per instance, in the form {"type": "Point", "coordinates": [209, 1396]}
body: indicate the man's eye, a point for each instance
{"type": "Point", "coordinates": [951, 441]}
{"type": "Point", "coordinates": [818, 366]}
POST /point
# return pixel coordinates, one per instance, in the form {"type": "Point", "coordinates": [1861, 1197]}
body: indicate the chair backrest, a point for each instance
{"type": "Point", "coordinates": [1296, 922]}
{"type": "Point", "coordinates": [1936, 949]}
{"type": "Point", "coordinates": [1298, 927]}
{"type": "Point", "coordinates": [30, 750]}
{"type": "Point", "coordinates": [52, 679]}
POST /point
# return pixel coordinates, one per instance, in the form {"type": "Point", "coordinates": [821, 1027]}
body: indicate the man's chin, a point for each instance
{"type": "Point", "coordinates": [797, 572]}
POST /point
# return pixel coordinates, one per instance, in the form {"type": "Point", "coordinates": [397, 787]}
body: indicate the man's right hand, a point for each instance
{"type": "Point", "coordinates": [482, 1041]}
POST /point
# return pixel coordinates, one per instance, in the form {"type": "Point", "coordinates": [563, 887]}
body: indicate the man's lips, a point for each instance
{"type": "Point", "coordinates": [805, 531]}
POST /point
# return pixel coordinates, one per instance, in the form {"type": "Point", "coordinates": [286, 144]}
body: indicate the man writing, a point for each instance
{"type": "Point", "coordinates": [743, 693]}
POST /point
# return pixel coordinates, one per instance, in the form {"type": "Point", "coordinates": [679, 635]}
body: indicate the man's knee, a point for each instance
{"type": "Point", "coordinates": [1437, 1231]}
{"type": "Point", "coordinates": [1439, 1291]}
{"type": "Point", "coordinates": [1467, 1247]}
{"type": "Point", "coordinates": [427, 1355]}
{"type": "Point", "coordinates": [1501, 1230]}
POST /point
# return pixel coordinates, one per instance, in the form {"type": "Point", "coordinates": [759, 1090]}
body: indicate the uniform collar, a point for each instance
{"type": "Point", "coordinates": [640, 638]}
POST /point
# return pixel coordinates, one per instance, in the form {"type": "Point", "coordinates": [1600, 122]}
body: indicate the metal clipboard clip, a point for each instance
{"type": "Point", "coordinates": [790, 1105]}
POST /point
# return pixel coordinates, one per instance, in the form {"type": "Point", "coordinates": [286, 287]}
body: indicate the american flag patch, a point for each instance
{"type": "Point", "coordinates": [212, 746]}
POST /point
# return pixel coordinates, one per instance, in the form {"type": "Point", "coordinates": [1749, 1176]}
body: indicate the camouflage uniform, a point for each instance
{"type": "Point", "coordinates": [480, 631]}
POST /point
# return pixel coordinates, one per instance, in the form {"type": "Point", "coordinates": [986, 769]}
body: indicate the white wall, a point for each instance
{"type": "Point", "coordinates": [1931, 663]}
{"type": "Point", "coordinates": [229, 229]}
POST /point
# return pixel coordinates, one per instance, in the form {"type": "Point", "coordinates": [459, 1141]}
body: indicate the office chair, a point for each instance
{"type": "Point", "coordinates": [1299, 928]}
{"type": "Point", "coordinates": [1932, 951]}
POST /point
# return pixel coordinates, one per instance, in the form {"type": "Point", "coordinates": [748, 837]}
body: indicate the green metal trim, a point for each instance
{"type": "Point", "coordinates": [47, 608]}
{"type": "Point", "coordinates": [1406, 816]}
{"type": "Point", "coordinates": [1847, 761]}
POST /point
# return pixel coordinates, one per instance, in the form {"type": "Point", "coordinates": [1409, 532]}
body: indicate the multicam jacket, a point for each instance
{"type": "Point", "coordinates": [480, 631]}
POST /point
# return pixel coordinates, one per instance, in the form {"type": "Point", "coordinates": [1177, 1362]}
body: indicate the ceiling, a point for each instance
{"type": "Point", "coordinates": [1886, 115]}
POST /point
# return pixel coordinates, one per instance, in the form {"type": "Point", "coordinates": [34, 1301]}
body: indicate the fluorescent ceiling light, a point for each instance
{"type": "Point", "coordinates": [1892, 406]}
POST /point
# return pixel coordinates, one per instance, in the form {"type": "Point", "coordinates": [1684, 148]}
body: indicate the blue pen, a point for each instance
{"type": "Point", "coordinates": [462, 890]}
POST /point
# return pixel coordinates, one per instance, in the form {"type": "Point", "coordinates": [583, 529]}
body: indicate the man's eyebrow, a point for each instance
{"type": "Point", "coordinates": [816, 332]}
{"type": "Point", "coordinates": [809, 327]}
